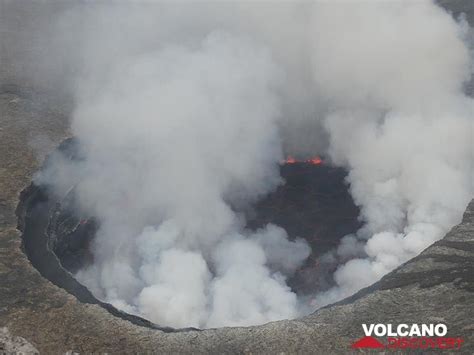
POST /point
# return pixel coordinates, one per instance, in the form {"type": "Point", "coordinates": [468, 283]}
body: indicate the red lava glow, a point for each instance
{"type": "Point", "coordinates": [290, 160]}
{"type": "Point", "coordinates": [314, 160]}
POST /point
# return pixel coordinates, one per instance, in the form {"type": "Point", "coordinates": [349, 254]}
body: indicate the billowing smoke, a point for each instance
{"type": "Point", "coordinates": [399, 121]}
{"type": "Point", "coordinates": [184, 112]}
{"type": "Point", "coordinates": [171, 139]}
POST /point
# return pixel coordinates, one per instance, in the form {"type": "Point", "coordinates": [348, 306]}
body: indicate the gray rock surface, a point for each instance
{"type": "Point", "coordinates": [15, 345]}
{"type": "Point", "coordinates": [436, 286]}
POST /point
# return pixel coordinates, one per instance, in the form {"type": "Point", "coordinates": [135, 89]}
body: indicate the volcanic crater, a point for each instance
{"type": "Point", "coordinates": [313, 203]}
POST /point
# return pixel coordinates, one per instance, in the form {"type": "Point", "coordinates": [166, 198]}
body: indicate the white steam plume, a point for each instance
{"type": "Point", "coordinates": [170, 138]}
{"type": "Point", "coordinates": [399, 121]}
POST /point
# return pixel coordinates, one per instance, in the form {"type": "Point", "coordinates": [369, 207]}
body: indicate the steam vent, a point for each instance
{"type": "Point", "coordinates": [274, 232]}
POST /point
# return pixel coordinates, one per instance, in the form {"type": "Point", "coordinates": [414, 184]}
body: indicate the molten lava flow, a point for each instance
{"type": "Point", "coordinates": [314, 160]}
{"type": "Point", "coordinates": [290, 160]}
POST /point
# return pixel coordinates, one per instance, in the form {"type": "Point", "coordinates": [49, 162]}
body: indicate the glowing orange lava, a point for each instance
{"type": "Point", "coordinates": [314, 160]}
{"type": "Point", "coordinates": [290, 160]}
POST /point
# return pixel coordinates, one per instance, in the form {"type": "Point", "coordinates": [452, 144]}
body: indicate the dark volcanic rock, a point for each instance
{"type": "Point", "coordinates": [312, 204]}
